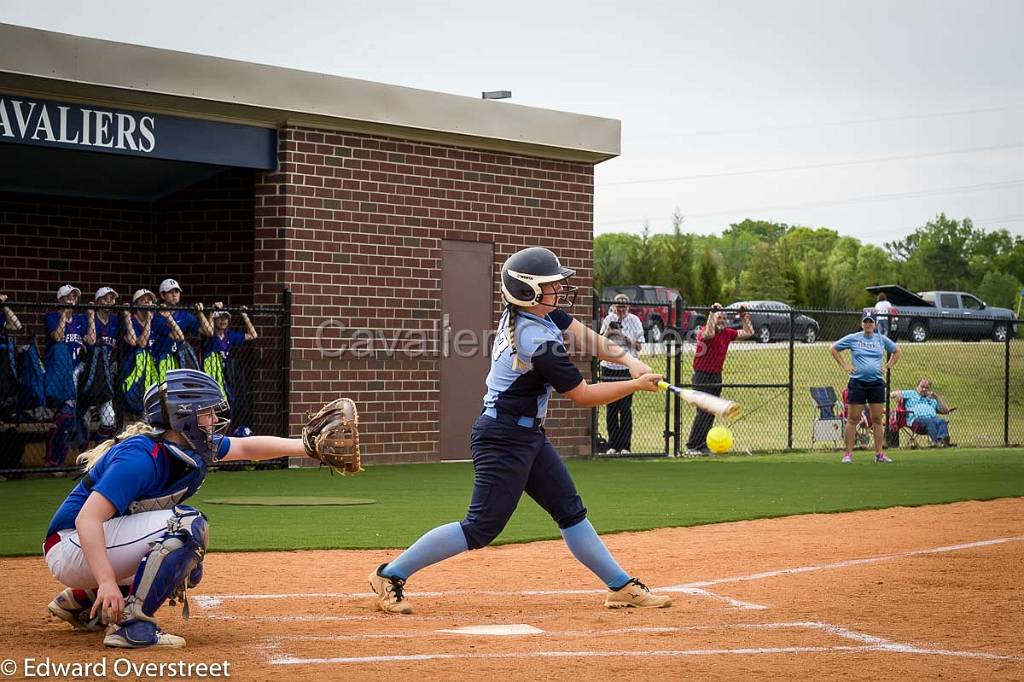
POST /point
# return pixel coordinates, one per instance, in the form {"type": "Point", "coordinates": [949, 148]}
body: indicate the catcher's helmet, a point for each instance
{"type": "Point", "coordinates": [525, 271]}
{"type": "Point", "coordinates": [175, 404]}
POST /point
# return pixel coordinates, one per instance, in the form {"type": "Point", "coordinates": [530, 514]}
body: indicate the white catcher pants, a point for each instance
{"type": "Point", "coordinates": [127, 539]}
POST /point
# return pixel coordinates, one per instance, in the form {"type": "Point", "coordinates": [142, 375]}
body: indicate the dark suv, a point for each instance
{"type": "Point", "coordinates": [770, 320]}
{"type": "Point", "coordinates": [656, 308]}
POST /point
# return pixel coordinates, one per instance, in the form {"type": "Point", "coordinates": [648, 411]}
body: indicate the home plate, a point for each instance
{"type": "Point", "coordinates": [499, 630]}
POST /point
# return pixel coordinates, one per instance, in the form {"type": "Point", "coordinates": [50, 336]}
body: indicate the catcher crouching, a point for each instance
{"type": "Point", "coordinates": [123, 542]}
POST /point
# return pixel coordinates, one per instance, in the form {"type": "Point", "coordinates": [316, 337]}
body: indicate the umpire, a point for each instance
{"type": "Point", "coordinates": [712, 344]}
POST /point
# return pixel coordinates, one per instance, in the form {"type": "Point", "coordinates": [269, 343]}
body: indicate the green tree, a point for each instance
{"type": "Point", "coordinates": [612, 258]}
{"type": "Point", "coordinates": [937, 255]}
{"type": "Point", "coordinates": [999, 289]}
{"type": "Point", "coordinates": [764, 278]}
{"type": "Point", "coordinates": [739, 239]}
{"type": "Point", "coordinates": [708, 278]}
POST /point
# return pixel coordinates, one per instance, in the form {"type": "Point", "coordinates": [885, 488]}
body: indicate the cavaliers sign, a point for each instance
{"type": "Point", "coordinates": [25, 120]}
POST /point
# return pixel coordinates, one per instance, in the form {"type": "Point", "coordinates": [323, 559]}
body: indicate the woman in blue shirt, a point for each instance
{"type": "Point", "coordinates": [123, 542]}
{"type": "Point", "coordinates": [867, 381]}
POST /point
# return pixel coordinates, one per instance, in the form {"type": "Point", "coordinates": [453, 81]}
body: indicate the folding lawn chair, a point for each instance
{"type": "Point", "coordinates": [827, 425]}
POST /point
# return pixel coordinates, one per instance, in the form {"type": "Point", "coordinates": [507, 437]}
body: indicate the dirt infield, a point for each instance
{"type": "Point", "coordinates": [916, 593]}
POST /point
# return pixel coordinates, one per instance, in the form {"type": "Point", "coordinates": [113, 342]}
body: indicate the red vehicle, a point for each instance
{"type": "Point", "coordinates": [656, 308]}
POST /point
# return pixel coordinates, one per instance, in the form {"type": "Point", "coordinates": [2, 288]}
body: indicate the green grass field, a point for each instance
{"type": "Point", "coordinates": [968, 375]}
{"type": "Point", "coordinates": [620, 494]}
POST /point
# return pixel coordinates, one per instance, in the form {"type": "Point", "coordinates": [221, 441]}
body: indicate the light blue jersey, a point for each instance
{"type": "Point", "coordinates": [919, 406]}
{"type": "Point", "coordinates": [867, 354]}
{"type": "Point", "coordinates": [521, 385]}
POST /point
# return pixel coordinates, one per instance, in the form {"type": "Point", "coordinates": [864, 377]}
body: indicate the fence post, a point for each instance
{"type": "Point", "coordinates": [677, 378]}
{"type": "Point", "coordinates": [1006, 388]}
{"type": "Point", "coordinates": [792, 333]}
{"type": "Point", "coordinates": [286, 362]}
{"type": "Point", "coordinates": [594, 367]}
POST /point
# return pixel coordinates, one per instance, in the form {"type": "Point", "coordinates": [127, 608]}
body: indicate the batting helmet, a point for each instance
{"type": "Point", "coordinates": [525, 271]}
{"type": "Point", "coordinates": [175, 404]}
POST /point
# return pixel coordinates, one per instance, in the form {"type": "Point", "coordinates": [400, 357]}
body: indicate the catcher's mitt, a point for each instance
{"type": "Point", "coordinates": [332, 436]}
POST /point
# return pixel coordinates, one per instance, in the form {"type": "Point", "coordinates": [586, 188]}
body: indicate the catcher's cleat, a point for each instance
{"type": "Point", "coordinates": [636, 595]}
{"type": "Point", "coordinates": [74, 609]}
{"type": "Point", "coordinates": [140, 634]}
{"type": "Point", "coordinates": [390, 592]}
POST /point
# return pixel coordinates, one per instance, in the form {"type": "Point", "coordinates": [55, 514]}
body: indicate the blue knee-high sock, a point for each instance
{"type": "Point", "coordinates": [588, 549]}
{"type": "Point", "coordinates": [434, 546]}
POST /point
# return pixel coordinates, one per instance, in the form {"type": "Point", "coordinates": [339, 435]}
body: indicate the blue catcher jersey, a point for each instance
{"type": "Point", "coordinates": [521, 386]}
{"type": "Point", "coordinates": [134, 471]}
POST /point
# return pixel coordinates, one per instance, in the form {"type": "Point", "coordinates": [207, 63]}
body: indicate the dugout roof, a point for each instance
{"type": "Point", "coordinates": [68, 68]}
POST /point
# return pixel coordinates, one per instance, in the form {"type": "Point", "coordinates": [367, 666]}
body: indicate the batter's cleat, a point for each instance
{"type": "Point", "coordinates": [140, 634]}
{"type": "Point", "coordinates": [74, 609]}
{"type": "Point", "coordinates": [882, 458]}
{"type": "Point", "coordinates": [635, 594]}
{"type": "Point", "coordinates": [848, 458]}
{"type": "Point", "coordinates": [390, 592]}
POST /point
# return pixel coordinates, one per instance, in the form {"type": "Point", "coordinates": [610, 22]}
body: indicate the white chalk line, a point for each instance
{"type": "Point", "coordinates": [871, 643]}
{"type": "Point", "coordinates": [848, 562]}
{"type": "Point", "coordinates": [612, 632]}
{"type": "Point", "coordinates": [292, 660]}
{"type": "Point", "coordinates": [694, 588]}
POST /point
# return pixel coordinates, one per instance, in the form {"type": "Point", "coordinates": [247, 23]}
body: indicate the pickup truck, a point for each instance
{"type": "Point", "coordinates": [656, 308]}
{"type": "Point", "coordinates": [921, 316]}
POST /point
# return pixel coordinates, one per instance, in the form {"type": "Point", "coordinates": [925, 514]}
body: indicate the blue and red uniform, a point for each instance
{"type": "Point", "coordinates": [108, 333]}
{"type": "Point", "coordinates": [223, 345]}
{"type": "Point", "coordinates": [163, 344]}
{"type": "Point", "coordinates": [74, 333]}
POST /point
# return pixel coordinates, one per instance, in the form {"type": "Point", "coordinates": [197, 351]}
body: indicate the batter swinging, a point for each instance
{"type": "Point", "coordinates": [511, 453]}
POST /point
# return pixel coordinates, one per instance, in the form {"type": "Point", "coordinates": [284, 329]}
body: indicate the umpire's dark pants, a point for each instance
{"type": "Point", "coordinates": [619, 415]}
{"type": "Point", "coordinates": [708, 382]}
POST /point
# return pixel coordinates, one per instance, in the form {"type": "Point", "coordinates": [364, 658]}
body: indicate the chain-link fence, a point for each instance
{"type": "Point", "coordinates": [793, 391]}
{"type": "Point", "coordinates": [71, 377]}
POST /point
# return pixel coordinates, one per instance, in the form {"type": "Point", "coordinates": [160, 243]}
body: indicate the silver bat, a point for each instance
{"type": "Point", "coordinates": [720, 407]}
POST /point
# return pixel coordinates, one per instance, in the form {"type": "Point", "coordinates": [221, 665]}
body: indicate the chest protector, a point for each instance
{"type": "Point", "coordinates": [182, 488]}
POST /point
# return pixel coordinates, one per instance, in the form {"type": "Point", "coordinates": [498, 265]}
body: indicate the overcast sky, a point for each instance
{"type": "Point", "coordinates": [871, 116]}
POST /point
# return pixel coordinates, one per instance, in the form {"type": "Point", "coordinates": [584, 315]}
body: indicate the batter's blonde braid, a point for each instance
{"type": "Point", "coordinates": [510, 329]}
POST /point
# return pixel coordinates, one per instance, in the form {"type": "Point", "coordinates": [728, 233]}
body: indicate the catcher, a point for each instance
{"type": "Point", "coordinates": [123, 542]}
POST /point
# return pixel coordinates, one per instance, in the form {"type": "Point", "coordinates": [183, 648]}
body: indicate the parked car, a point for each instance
{"type": "Point", "coordinates": [656, 308]}
{"type": "Point", "coordinates": [921, 316]}
{"type": "Point", "coordinates": [771, 319]}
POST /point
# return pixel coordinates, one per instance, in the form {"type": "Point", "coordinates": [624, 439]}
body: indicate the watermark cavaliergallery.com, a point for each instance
{"type": "Point", "coordinates": [334, 338]}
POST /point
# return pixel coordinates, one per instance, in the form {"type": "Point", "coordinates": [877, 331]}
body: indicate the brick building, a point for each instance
{"type": "Point", "coordinates": [387, 211]}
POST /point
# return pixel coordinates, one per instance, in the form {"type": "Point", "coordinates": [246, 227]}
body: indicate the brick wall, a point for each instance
{"type": "Point", "coordinates": [201, 236]}
{"type": "Point", "coordinates": [354, 224]}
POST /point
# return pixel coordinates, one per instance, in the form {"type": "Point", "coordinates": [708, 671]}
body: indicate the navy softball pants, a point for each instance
{"type": "Point", "coordinates": [509, 459]}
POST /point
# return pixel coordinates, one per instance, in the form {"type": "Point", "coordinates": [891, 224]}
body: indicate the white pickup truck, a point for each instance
{"type": "Point", "coordinates": [921, 316]}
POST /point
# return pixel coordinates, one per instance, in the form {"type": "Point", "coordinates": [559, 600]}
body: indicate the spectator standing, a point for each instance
{"type": "Point", "coordinates": [10, 387]}
{"type": "Point", "coordinates": [104, 333]}
{"type": "Point", "coordinates": [218, 347]}
{"type": "Point", "coordinates": [625, 330]}
{"type": "Point", "coordinates": [171, 327]}
{"type": "Point", "coordinates": [923, 407]}
{"type": "Point", "coordinates": [65, 332]}
{"type": "Point", "coordinates": [883, 311]}
{"type": "Point", "coordinates": [8, 320]}
{"type": "Point", "coordinates": [867, 383]}
{"type": "Point", "coordinates": [713, 341]}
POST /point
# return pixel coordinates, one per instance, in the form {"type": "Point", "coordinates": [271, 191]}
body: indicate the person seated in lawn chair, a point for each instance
{"type": "Point", "coordinates": [922, 407]}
